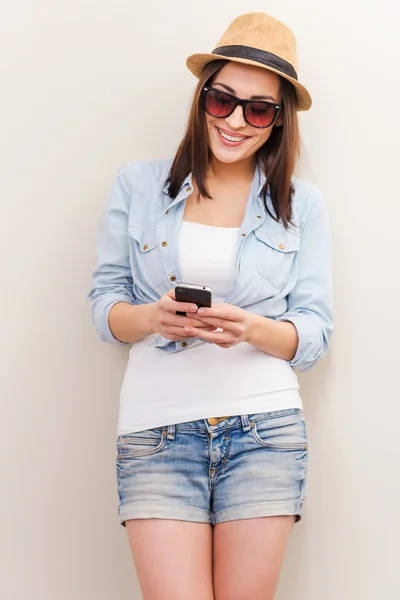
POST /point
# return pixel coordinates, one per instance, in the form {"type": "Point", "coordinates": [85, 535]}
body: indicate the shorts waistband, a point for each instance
{"type": "Point", "coordinates": [215, 424]}
{"type": "Point", "coordinates": [212, 425]}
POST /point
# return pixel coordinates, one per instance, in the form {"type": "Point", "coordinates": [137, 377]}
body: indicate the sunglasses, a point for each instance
{"type": "Point", "coordinates": [256, 113]}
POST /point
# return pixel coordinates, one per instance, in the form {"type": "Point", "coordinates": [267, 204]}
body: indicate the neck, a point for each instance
{"type": "Point", "coordinates": [230, 172]}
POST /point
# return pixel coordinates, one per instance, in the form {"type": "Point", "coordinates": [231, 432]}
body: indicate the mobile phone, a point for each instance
{"type": "Point", "coordinates": [195, 294]}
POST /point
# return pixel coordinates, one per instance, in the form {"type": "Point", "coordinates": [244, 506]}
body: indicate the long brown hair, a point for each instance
{"type": "Point", "coordinates": [276, 158]}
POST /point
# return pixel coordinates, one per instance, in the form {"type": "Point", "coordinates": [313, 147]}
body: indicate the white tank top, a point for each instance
{"type": "Point", "coordinates": [207, 256]}
{"type": "Point", "coordinates": [204, 381]}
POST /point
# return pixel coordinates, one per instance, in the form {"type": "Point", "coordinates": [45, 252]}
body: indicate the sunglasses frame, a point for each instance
{"type": "Point", "coordinates": [243, 104]}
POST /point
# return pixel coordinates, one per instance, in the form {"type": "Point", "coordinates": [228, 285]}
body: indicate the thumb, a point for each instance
{"type": "Point", "coordinates": [171, 294]}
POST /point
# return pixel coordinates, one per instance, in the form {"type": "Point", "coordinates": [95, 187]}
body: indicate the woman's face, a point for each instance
{"type": "Point", "coordinates": [245, 82]}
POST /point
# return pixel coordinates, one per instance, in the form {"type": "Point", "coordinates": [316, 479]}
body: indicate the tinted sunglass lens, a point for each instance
{"type": "Point", "coordinates": [259, 114]}
{"type": "Point", "coordinates": [219, 104]}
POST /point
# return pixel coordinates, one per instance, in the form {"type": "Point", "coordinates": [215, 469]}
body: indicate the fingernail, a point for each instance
{"type": "Point", "coordinates": [188, 330]}
{"type": "Point", "coordinates": [201, 311]}
{"type": "Point", "coordinates": [193, 308]}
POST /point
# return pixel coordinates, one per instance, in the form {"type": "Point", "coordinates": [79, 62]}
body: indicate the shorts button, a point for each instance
{"type": "Point", "coordinates": [213, 421]}
{"type": "Point", "coordinates": [184, 344]}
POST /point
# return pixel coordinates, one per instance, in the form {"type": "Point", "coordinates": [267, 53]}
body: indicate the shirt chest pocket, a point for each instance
{"type": "Point", "coordinates": [277, 251]}
{"type": "Point", "coordinates": [146, 259]}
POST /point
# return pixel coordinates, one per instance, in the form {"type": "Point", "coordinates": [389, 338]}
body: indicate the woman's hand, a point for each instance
{"type": "Point", "coordinates": [174, 327]}
{"type": "Point", "coordinates": [234, 321]}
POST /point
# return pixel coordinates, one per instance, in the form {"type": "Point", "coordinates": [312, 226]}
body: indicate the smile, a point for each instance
{"type": "Point", "coordinates": [230, 138]}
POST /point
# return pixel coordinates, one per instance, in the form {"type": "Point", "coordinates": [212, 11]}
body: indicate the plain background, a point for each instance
{"type": "Point", "coordinates": [85, 87]}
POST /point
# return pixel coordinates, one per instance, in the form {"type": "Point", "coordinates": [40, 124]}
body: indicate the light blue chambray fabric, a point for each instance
{"type": "Point", "coordinates": [283, 275]}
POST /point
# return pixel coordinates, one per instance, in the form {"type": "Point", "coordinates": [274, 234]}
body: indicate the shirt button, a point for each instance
{"type": "Point", "coordinates": [282, 246]}
{"type": "Point", "coordinates": [145, 247]}
{"type": "Point", "coordinates": [213, 421]}
{"type": "Point", "coordinates": [172, 278]}
{"type": "Point", "coordinates": [164, 244]}
{"type": "Point", "coordinates": [167, 211]}
{"type": "Point", "coordinates": [188, 189]}
{"type": "Point", "coordinates": [184, 344]}
{"type": "Point", "coordinates": [243, 235]}
{"type": "Point", "coordinates": [259, 217]}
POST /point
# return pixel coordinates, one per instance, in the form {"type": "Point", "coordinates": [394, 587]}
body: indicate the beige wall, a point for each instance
{"type": "Point", "coordinates": [86, 86]}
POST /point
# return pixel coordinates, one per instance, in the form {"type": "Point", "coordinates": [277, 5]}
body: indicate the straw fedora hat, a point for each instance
{"type": "Point", "coordinates": [257, 39]}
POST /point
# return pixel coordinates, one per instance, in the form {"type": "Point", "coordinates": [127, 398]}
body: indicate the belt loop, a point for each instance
{"type": "Point", "coordinates": [171, 432]}
{"type": "Point", "coordinates": [245, 423]}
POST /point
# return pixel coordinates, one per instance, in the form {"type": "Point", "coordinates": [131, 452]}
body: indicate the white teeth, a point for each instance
{"type": "Point", "coordinates": [230, 138]}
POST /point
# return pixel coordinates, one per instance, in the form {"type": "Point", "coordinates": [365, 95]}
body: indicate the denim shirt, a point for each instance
{"type": "Point", "coordinates": [280, 274]}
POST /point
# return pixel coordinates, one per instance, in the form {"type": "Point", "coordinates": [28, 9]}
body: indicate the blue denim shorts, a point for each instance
{"type": "Point", "coordinates": [215, 470]}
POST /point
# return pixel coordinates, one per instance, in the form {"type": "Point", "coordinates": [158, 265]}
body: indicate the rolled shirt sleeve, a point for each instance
{"type": "Point", "coordinates": [112, 276]}
{"type": "Point", "coordinates": [310, 301]}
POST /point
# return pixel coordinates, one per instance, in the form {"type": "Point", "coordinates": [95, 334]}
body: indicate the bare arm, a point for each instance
{"type": "Point", "coordinates": [277, 338]}
{"type": "Point", "coordinates": [129, 323]}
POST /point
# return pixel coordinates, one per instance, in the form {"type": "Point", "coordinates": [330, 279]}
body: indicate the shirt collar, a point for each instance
{"type": "Point", "coordinates": [260, 180]}
{"type": "Point", "coordinates": [187, 183]}
{"type": "Point", "coordinates": [258, 174]}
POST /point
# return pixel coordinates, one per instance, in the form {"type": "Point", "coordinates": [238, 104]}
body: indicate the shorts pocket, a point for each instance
{"type": "Point", "coordinates": [143, 443]}
{"type": "Point", "coordinates": [285, 431]}
{"type": "Point", "coordinates": [276, 252]}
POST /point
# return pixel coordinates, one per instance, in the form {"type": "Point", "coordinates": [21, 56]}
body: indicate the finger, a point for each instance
{"type": "Point", "coordinates": [170, 305]}
{"type": "Point", "coordinates": [222, 311]}
{"type": "Point", "coordinates": [177, 334]}
{"type": "Point", "coordinates": [234, 327]}
{"type": "Point", "coordinates": [209, 321]}
{"type": "Point", "coordinates": [207, 327]}
{"type": "Point", "coordinates": [192, 322]}
{"type": "Point", "coordinates": [168, 320]}
{"type": "Point", "coordinates": [217, 337]}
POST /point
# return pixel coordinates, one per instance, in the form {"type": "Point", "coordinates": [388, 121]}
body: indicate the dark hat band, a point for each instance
{"type": "Point", "coordinates": [265, 58]}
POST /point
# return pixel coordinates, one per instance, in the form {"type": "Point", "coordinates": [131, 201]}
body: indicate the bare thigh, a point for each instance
{"type": "Point", "coordinates": [172, 558]}
{"type": "Point", "coordinates": [248, 556]}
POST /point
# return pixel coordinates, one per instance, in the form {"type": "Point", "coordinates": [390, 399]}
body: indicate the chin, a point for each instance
{"type": "Point", "coordinates": [227, 157]}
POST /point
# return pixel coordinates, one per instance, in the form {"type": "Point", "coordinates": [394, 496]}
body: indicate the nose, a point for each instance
{"type": "Point", "coordinates": [236, 119]}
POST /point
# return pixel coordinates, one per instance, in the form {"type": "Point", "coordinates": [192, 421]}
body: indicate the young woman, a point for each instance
{"type": "Point", "coordinates": [212, 446]}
